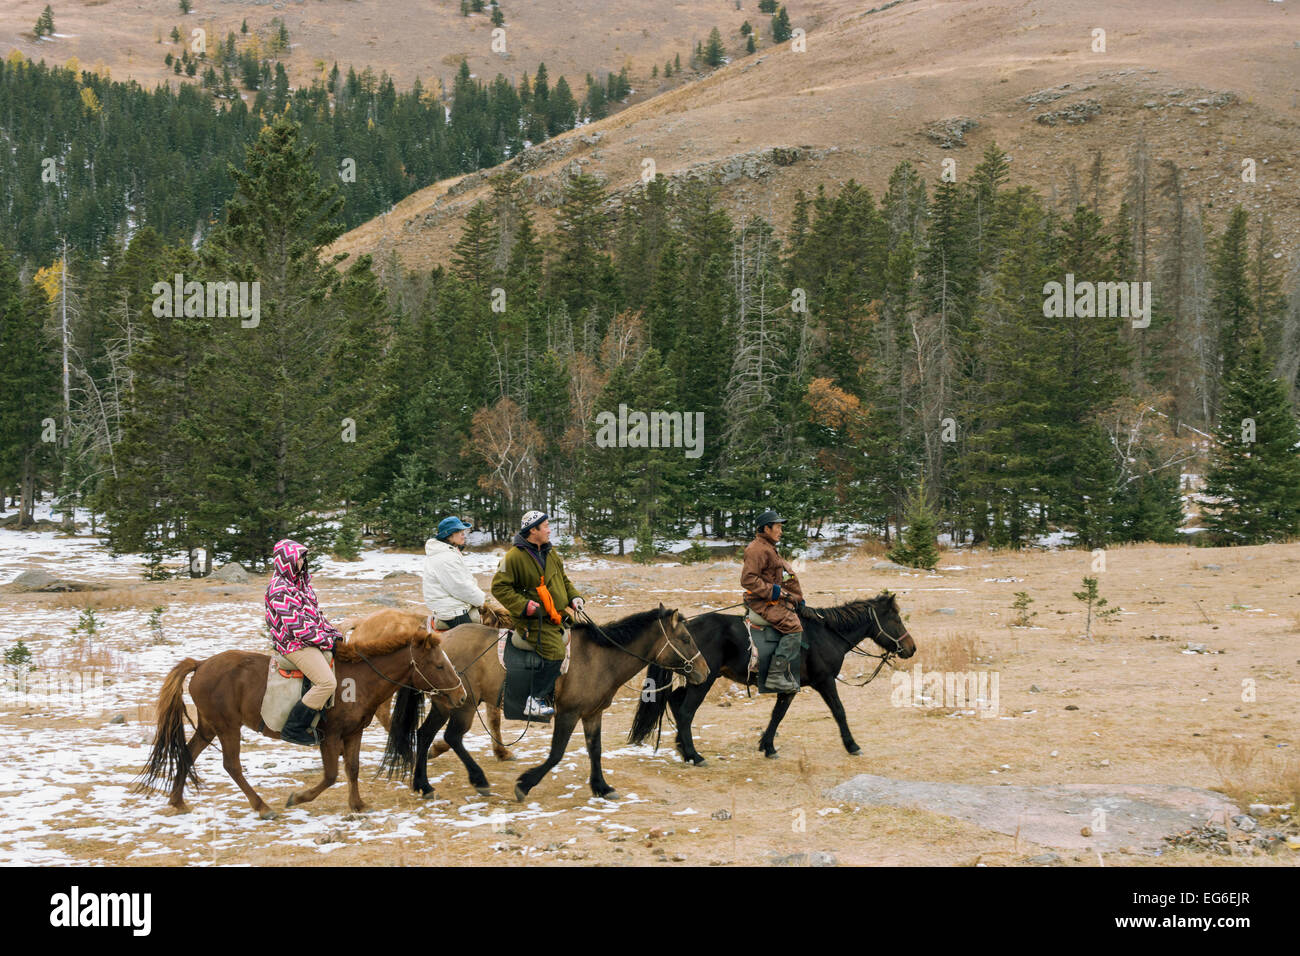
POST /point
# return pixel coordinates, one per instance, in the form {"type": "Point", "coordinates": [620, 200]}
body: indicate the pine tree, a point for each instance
{"type": "Point", "coordinates": [347, 542]}
{"type": "Point", "coordinates": [781, 26]}
{"type": "Point", "coordinates": [581, 271]}
{"type": "Point", "coordinates": [30, 393]}
{"type": "Point", "coordinates": [919, 547]}
{"type": "Point", "coordinates": [714, 52]}
{"type": "Point", "coordinates": [1230, 302]}
{"type": "Point", "coordinates": [1253, 484]}
{"type": "Point", "coordinates": [45, 23]}
{"type": "Point", "coordinates": [277, 380]}
{"type": "Point", "coordinates": [185, 5]}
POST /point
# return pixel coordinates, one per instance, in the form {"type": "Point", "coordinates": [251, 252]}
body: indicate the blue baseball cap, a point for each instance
{"type": "Point", "coordinates": [449, 526]}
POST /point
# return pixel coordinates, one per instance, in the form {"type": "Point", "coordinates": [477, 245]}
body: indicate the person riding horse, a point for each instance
{"type": "Point", "coordinates": [531, 584]}
{"type": "Point", "coordinates": [300, 632]}
{"type": "Point", "coordinates": [772, 590]}
{"type": "Point", "coordinates": [450, 591]}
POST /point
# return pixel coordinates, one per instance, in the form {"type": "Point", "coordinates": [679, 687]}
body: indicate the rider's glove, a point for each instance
{"type": "Point", "coordinates": [577, 603]}
{"type": "Point", "coordinates": [531, 609]}
{"type": "Point", "coordinates": [776, 591]}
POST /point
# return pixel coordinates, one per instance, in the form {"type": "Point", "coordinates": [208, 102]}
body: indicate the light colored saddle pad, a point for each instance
{"type": "Point", "coordinates": [282, 692]}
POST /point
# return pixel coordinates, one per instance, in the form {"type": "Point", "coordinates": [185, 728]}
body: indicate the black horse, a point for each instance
{"type": "Point", "coordinates": [830, 634]}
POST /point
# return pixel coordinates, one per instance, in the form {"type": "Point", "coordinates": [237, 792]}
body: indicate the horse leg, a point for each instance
{"type": "Point", "coordinates": [230, 758]}
{"type": "Point", "coordinates": [565, 721]}
{"type": "Point", "coordinates": [203, 735]}
{"type": "Point", "coordinates": [428, 730]}
{"type": "Point", "coordinates": [494, 725]}
{"type": "Point", "coordinates": [684, 713]}
{"type": "Point", "coordinates": [768, 742]}
{"type": "Point", "coordinates": [330, 748]}
{"type": "Point", "coordinates": [455, 737]}
{"type": "Point", "coordinates": [831, 695]}
{"type": "Point", "coordinates": [591, 728]}
{"type": "Point", "coordinates": [352, 764]}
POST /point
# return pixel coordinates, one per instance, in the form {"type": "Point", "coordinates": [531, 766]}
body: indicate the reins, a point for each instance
{"type": "Point", "coordinates": [885, 658]}
{"type": "Point", "coordinates": [431, 689]}
{"type": "Point", "coordinates": [686, 667]}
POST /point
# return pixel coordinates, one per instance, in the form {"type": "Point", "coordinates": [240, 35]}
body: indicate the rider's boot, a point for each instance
{"type": "Point", "coordinates": [297, 727]}
{"type": "Point", "coordinates": [780, 673]}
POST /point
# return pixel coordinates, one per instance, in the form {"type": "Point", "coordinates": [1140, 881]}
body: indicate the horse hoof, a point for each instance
{"type": "Point", "coordinates": [484, 791]}
{"type": "Point", "coordinates": [698, 761]}
{"type": "Point", "coordinates": [770, 754]}
{"type": "Point", "coordinates": [291, 801]}
{"type": "Point", "coordinates": [268, 814]}
{"type": "Point", "coordinates": [520, 793]}
{"type": "Point", "coordinates": [506, 756]}
{"type": "Point", "coordinates": [612, 795]}
{"type": "Point", "coordinates": [855, 752]}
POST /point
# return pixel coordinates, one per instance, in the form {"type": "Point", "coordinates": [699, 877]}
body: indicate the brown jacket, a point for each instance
{"type": "Point", "coordinates": [763, 568]}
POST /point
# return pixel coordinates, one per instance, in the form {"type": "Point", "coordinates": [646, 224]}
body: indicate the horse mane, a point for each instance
{"type": "Point", "coordinates": [844, 617]}
{"type": "Point", "coordinates": [383, 632]}
{"type": "Point", "coordinates": [494, 615]}
{"type": "Point", "coordinates": [625, 629]}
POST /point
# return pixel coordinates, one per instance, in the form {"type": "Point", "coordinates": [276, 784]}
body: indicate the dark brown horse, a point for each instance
{"type": "Point", "coordinates": [602, 659]}
{"type": "Point", "coordinates": [389, 649]}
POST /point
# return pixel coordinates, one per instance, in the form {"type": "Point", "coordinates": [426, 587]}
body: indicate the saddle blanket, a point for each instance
{"type": "Point", "coordinates": [284, 687]}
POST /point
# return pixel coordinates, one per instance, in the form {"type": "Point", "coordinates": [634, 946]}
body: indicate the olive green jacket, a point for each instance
{"type": "Point", "coordinates": [515, 584]}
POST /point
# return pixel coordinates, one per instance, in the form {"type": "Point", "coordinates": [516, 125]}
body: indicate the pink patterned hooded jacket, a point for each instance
{"type": "Point", "coordinates": [292, 613]}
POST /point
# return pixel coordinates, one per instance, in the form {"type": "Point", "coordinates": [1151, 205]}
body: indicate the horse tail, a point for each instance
{"type": "Point", "coordinates": [649, 714]}
{"type": "Point", "coordinates": [403, 726]}
{"type": "Point", "coordinates": [170, 759]}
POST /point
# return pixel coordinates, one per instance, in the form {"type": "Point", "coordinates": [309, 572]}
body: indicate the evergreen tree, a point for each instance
{"type": "Point", "coordinates": [919, 544]}
{"type": "Point", "coordinates": [714, 52]}
{"type": "Point", "coordinates": [276, 380]}
{"type": "Point", "coordinates": [781, 26]}
{"type": "Point", "coordinates": [44, 23]}
{"type": "Point", "coordinates": [29, 398]}
{"type": "Point", "coordinates": [1230, 302]}
{"type": "Point", "coordinates": [185, 5]}
{"type": "Point", "coordinates": [1253, 484]}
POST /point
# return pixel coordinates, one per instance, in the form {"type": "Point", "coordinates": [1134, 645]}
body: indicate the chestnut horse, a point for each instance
{"type": "Point", "coordinates": [602, 659]}
{"type": "Point", "coordinates": [389, 650]}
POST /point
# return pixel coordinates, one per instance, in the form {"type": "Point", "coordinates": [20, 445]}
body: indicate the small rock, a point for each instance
{"type": "Point", "coordinates": [945, 610]}
{"type": "Point", "coordinates": [721, 815]}
{"type": "Point", "coordinates": [1044, 858]}
{"type": "Point", "coordinates": [1198, 648]}
{"type": "Point", "coordinates": [1071, 707]}
{"type": "Point", "coordinates": [1105, 763]}
{"type": "Point", "coordinates": [334, 836]}
{"type": "Point", "coordinates": [387, 600]}
{"type": "Point", "coordinates": [1243, 823]}
{"type": "Point", "coordinates": [1035, 689]}
{"type": "Point", "coordinates": [1086, 831]}
{"type": "Point", "coordinates": [118, 719]}
{"type": "Point", "coordinates": [817, 858]}
{"type": "Point", "coordinates": [1212, 567]}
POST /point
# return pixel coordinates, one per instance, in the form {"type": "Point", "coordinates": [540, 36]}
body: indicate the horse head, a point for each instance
{"type": "Point", "coordinates": [679, 652]}
{"type": "Point", "coordinates": [890, 631]}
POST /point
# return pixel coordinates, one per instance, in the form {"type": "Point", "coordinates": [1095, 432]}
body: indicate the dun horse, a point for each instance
{"type": "Point", "coordinates": [602, 659]}
{"type": "Point", "coordinates": [389, 649]}
{"type": "Point", "coordinates": [831, 634]}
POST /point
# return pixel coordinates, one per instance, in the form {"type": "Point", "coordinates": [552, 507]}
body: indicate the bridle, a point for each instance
{"type": "Point", "coordinates": [686, 667]}
{"type": "Point", "coordinates": [431, 690]}
{"type": "Point", "coordinates": [885, 658]}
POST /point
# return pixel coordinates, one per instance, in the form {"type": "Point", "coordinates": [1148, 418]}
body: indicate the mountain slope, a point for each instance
{"type": "Point", "coordinates": [1206, 83]}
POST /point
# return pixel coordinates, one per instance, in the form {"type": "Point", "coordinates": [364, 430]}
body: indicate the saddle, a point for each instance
{"type": "Point", "coordinates": [285, 686]}
{"type": "Point", "coordinates": [763, 641]}
{"type": "Point", "coordinates": [523, 667]}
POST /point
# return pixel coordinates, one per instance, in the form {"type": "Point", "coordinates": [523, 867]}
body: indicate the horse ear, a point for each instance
{"type": "Point", "coordinates": [661, 608]}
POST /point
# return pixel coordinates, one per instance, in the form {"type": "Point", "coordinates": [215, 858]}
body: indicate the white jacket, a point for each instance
{"type": "Point", "coordinates": [449, 587]}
